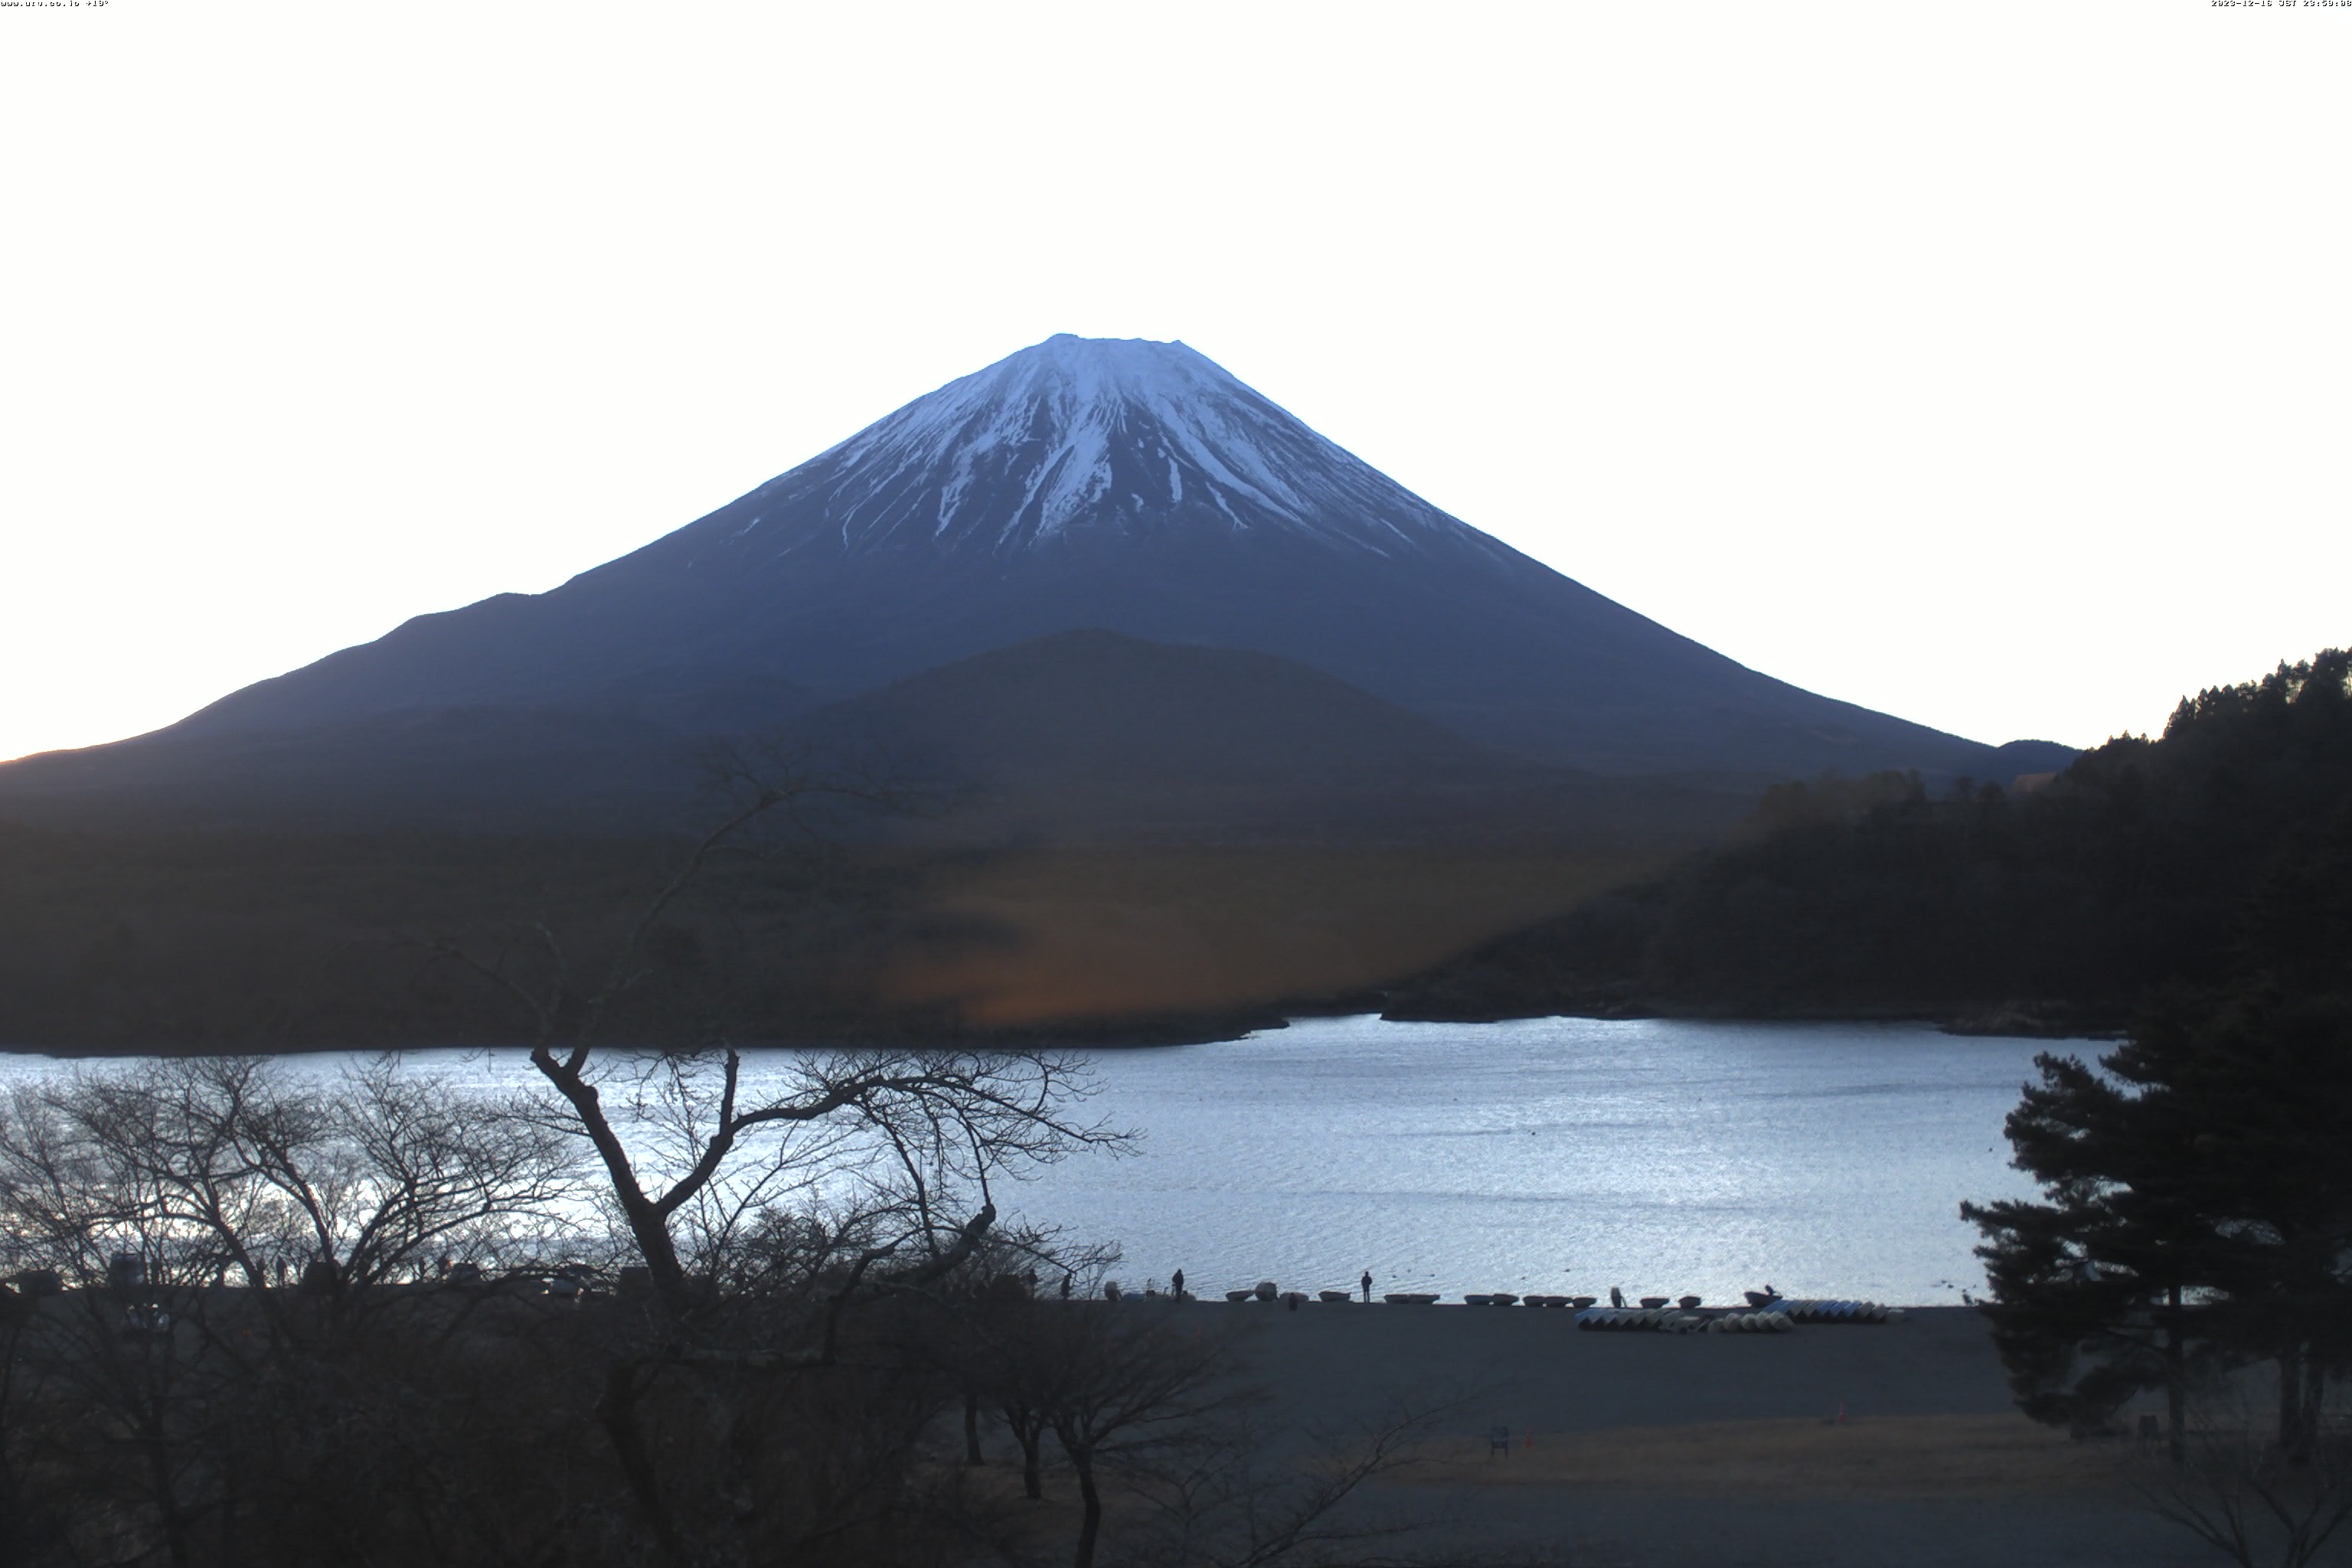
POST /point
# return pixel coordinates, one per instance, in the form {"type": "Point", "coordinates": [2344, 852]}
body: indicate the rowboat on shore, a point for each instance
{"type": "Point", "coordinates": [1836, 1311]}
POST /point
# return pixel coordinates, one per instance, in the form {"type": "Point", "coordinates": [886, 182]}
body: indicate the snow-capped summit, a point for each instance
{"type": "Point", "coordinates": [1129, 486]}
{"type": "Point", "coordinates": [1077, 434]}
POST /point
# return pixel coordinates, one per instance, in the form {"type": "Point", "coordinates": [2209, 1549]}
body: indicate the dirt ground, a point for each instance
{"type": "Point", "coordinates": [1832, 1446]}
{"type": "Point", "coordinates": [1901, 1455]}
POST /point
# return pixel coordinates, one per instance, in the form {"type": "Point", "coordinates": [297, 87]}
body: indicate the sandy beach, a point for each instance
{"type": "Point", "coordinates": [1635, 1448]}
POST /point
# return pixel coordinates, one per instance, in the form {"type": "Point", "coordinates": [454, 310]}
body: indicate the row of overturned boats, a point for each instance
{"type": "Point", "coordinates": [1764, 1313]}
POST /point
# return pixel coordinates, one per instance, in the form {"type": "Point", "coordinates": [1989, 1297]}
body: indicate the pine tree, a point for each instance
{"type": "Point", "coordinates": [2268, 1076]}
{"type": "Point", "coordinates": [2094, 1287]}
{"type": "Point", "coordinates": [2197, 1199]}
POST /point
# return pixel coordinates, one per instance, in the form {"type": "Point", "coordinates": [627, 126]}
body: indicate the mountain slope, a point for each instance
{"type": "Point", "coordinates": [1080, 736]}
{"type": "Point", "coordinates": [1132, 486]}
{"type": "Point", "coordinates": [1093, 736]}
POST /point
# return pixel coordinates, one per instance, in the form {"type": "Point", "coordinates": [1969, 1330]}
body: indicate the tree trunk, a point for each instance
{"type": "Point", "coordinates": [154, 1443]}
{"type": "Point", "coordinates": [651, 1233]}
{"type": "Point", "coordinates": [1082, 1460]}
{"type": "Point", "coordinates": [648, 1226]}
{"type": "Point", "coordinates": [2303, 1392]}
{"type": "Point", "coordinates": [1028, 1429]}
{"type": "Point", "coordinates": [617, 1411]}
{"type": "Point", "coordinates": [2290, 1403]}
{"type": "Point", "coordinates": [971, 1429]}
{"type": "Point", "coordinates": [2176, 1382]}
{"type": "Point", "coordinates": [167, 1505]}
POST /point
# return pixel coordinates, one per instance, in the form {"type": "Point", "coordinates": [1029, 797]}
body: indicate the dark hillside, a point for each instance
{"type": "Point", "coordinates": [1093, 737]}
{"type": "Point", "coordinates": [439, 770]}
{"type": "Point", "coordinates": [1109, 830]}
{"type": "Point", "coordinates": [1084, 736]}
{"type": "Point", "coordinates": [165, 943]}
{"type": "Point", "coordinates": [2065, 905]}
{"type": "Point", "coordinates": [171, 942]}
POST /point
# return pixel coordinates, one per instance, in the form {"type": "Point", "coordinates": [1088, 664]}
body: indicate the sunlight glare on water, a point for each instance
{"type": "Point", "coordinates": [1557, 1155]}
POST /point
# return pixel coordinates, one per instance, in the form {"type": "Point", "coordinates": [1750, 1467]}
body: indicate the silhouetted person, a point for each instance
{"type": "Point", "coordinates": [1176, 1284]}
{"type": "Point", "coordinates": [1367, 1283]}
{"type": "Point", "coordinates": [1616, 1296]}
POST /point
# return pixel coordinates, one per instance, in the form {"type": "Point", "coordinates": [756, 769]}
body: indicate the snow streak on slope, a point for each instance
{"type": "Point", "coordinates": [1076, 436]}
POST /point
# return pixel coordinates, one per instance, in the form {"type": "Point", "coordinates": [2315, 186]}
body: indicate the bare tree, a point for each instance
{"type": "Point", "coordinates": [1179, 1461]}
{"type": "Point", "coordinates": [1249, 1490]}
{"type": "Point", "coordinates": [211, 1170]}
{"type": "Point", "coordinates": [161, 1379]}
{"type": "Point", "coordinates": [2259, 1502]}
{"type": "Point", "coordinates": [1115, 1386]}
{"type": "Point", "coordinates": [764, 1196]}
{"type": "Point", "coordinates": [907, 1142]}
{"type": "Point", "coordinates": [999, 1343]}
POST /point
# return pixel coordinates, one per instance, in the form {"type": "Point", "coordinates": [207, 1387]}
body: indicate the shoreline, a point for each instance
{"type": "Point", "coordinates": [1520, 1308]}
{"type": "Point", "coordinates": [1150, 1035]}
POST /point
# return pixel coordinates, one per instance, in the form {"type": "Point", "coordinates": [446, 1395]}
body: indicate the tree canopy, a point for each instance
{"type": "Point", "coordinates": [2068, 903]}
{"type": "Point", "coordinates": [2196, 1206]}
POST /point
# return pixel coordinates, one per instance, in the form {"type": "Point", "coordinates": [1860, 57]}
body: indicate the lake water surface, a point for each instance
{"type": "Point", "coordinates": [1542, 1156]}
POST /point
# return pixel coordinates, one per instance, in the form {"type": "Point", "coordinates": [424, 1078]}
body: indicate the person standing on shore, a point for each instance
{"type": "Point", "coordinates": [1367, 1283]}
{"type": "Point", "coordinates": [1176, 1284]}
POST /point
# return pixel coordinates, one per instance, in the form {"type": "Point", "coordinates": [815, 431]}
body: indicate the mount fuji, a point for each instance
{"type": "Point", "coordinates": [1129, 487]}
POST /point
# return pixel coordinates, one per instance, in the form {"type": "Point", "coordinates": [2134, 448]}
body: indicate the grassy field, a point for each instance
{"type": "Point", "coordinates": [1899, 1456]}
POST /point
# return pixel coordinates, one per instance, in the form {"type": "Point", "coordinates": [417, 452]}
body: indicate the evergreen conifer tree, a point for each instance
{"type": "Point", "coordinates": [2197, 1197]}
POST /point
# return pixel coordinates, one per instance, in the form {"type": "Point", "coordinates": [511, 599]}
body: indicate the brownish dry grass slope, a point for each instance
{"type": "Point", "coordinates": [1049, 936]}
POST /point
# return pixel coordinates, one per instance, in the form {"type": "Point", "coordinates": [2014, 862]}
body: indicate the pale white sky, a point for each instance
{"type": "Point", "coordinates": [1990, 363]}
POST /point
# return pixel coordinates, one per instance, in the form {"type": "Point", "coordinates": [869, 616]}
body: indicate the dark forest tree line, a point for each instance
{"type": "Point", "coordinates": [2070, 904]}
{"type": "Point", "coordinates": [2193, 1236]}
